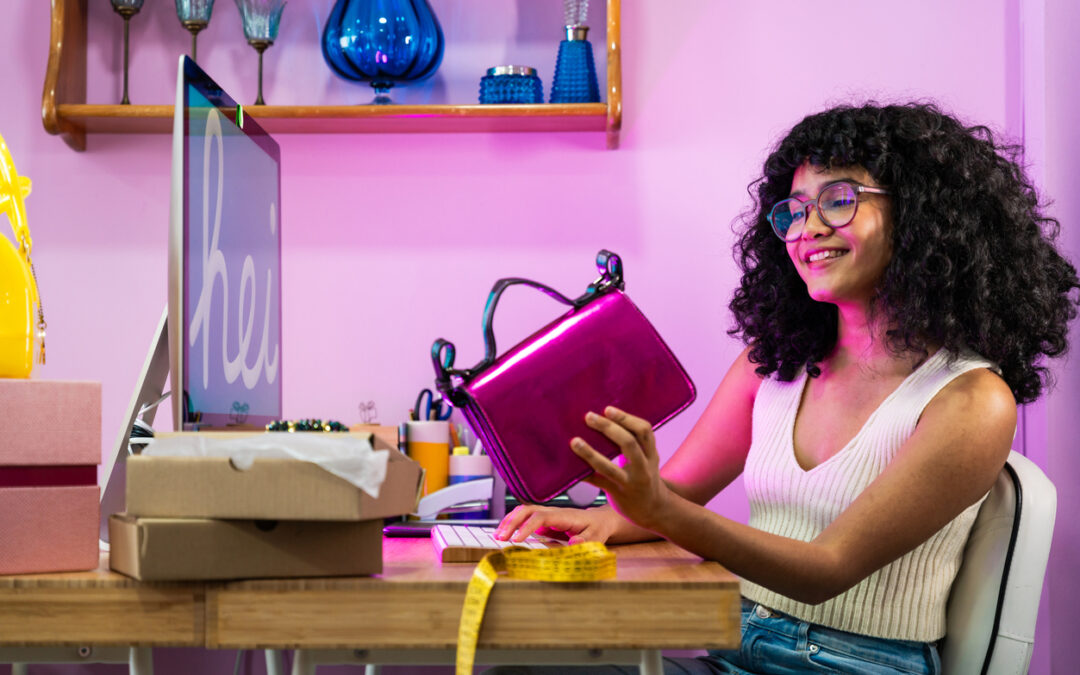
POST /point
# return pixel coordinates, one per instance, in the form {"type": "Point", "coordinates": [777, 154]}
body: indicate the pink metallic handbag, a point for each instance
{"type": "Point", "coordinates": [527, 404]}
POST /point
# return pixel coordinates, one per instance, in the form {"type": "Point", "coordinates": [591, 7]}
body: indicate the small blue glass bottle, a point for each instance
{"type": "Point", "coordinates": [511, 84]}
{"type": "Point", "coordinates": [575, 69]}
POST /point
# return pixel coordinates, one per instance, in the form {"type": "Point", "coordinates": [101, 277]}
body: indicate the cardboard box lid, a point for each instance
{"type": "Point", "coordinates": [174, 549]}
{"type": "Point", "coordinates": [50, 422]}
{"type": "Point", "coordinates": [272, 489]}
{"type": "Point", "coordinates": [383, 437]}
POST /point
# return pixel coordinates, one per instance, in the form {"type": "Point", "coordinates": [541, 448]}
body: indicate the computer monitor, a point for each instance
{"type": "Point", "coordinates": [219, 339]}
{"type": "Point", "coordinates": [224, 261]}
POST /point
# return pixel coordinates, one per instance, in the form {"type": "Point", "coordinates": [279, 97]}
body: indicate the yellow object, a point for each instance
{"type": "Point", "coordinates": [435, 460]}
{"type": "Point", "coordinates": [591, 561]}
{"type": "Point", "coordinates": [461, 450]}
{"type": "Point", "coordinates": [19, 299]}
{"type": "Point", "coordinates": [429, 446]}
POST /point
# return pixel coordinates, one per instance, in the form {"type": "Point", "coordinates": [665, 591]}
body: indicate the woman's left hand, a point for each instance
{"type": "Point", "coordinates": [635, 488]}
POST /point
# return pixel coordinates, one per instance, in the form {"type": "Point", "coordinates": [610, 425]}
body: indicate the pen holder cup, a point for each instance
{"type": "Point", "coordinates": [464, 468]}
{"type": "Point", "coordinates": [429, 446]}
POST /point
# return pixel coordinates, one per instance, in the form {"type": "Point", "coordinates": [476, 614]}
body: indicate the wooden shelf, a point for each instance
{"type": "Point", "coordinates": [66, 113]}
{"type": "Point", "coordinates": [337, 119]}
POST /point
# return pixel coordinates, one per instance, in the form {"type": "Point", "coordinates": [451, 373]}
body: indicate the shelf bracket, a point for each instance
{"type": "Point", "coordinates": [65, 75]}
{"type": "Point", "coordinates": [614, 75]}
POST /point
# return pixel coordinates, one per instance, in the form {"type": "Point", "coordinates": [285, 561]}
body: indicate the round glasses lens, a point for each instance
{"type": "Point", "coordinates": [836, 204]}
{"type": "Point", "coordinates": [787, 218]}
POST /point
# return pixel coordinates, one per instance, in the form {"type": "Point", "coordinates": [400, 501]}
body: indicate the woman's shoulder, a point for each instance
{"type": "Point", "coordinates": [968, 428]}
{"type": "Point", "coordinates": [743, 377]}
{"type": "Point", "coordinates": [972, 379]}
{"type": "Point", "coordinates": [977, 399]}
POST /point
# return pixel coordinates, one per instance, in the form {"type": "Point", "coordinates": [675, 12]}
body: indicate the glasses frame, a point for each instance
{"type": "Point", "coordinates": [813, 203]}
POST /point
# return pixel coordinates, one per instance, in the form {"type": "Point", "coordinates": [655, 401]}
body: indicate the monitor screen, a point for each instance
{"type": "Point", "coordinates": [225, 261]}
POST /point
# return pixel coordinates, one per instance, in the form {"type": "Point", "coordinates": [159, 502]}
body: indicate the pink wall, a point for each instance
{"type": "Point", "coordinates": [1060, 145]}
{"type": "Point", "coordinates": [393, 240]}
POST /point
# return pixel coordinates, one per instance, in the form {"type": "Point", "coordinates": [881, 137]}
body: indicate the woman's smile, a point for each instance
{"type": "Point", "coordinates": [823, 255]}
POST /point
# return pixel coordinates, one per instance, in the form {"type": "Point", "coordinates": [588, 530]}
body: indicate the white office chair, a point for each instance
{"type": "Point", "coordinates": [995, 598]}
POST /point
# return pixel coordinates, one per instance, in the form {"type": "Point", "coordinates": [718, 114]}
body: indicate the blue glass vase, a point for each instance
{"type": "Point", "coordinates": [382, 42]}
{"type": "Point", "coordinates": [575, 69]}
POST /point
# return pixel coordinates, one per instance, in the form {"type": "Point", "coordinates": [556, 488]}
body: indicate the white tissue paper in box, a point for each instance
{"type": "Point", "coordinates": [346, 456]}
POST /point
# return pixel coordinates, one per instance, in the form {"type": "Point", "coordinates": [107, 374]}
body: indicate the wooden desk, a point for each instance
{"type": "Point", "coordinates": [662, 598]}
{"type": "Point", "coordinates": [99, 607]}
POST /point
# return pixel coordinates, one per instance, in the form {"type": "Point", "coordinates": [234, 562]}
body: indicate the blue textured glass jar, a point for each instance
{"type": "Point", "coordinates": [511, 84]}
{"type": "Point", "coordinates": [575, 69]}
{"type": "Point", "coordinates": [382, 42]}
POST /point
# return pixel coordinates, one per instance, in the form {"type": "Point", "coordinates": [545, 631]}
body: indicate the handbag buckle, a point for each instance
{"type": "Point", "coordinates": [611, 276]}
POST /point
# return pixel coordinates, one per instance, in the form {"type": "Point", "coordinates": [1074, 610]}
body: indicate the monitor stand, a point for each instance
{"type": "Point", "coordinates": [148, 394]}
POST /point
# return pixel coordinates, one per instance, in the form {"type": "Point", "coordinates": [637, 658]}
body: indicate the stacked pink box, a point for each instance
{"type": "Point", "coordinates": [50, 446]}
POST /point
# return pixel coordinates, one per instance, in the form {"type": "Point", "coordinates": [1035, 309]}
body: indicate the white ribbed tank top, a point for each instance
{"type": "Point", "coordinates": [905, 599]}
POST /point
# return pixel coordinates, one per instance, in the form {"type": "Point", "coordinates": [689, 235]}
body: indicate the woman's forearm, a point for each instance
{"type": "Point", "coordinates": [623, 531]}
{"type": "Point", "coordinates": [804, 571]}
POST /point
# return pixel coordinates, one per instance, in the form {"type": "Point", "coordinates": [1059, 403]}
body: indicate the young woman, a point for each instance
{"type": "Point", "coordinates": [900, 291]}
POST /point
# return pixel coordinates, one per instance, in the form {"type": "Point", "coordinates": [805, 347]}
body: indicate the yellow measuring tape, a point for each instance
{"type": "Point", "coordinates": [590, 561]}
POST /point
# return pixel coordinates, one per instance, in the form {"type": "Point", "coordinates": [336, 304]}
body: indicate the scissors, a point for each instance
{"type": "Point", "coordinates": [430, 408]}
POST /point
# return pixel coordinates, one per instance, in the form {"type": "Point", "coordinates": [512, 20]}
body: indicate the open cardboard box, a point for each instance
{"type": "Point", "coordinates": [178, 549]}
{"type": "Point", "coordinates": [272, 489]}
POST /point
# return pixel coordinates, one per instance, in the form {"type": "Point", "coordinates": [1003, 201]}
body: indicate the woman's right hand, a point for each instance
{"type": "Point", "coordinates": [579, 525]}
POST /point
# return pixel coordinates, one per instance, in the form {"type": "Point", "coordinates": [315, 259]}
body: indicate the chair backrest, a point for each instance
{"type": "Point", "coordinates": [995, 597]}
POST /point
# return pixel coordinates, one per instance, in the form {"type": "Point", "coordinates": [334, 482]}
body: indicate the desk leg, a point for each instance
{"type": "Point", "coordinates": [273, 662]}
{"type": "Point", "coordinates": [302, 664]}
{"type": "Point", "coordinates": [652, 662]}
{"type": "Point", "coordinates": [141, 661]}
{"type": "Point", "coordinates": [305, 661]}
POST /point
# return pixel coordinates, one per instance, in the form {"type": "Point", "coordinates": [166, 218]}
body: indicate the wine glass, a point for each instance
{"type": "Point", "coordinates": [262, 19]}
{"type": "Point", "coordinates": [126, 9]}
{"type": "Point", "coordinates": [194, 15]}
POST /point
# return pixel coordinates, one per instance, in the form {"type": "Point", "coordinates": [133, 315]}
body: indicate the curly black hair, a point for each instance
{"type": "Point", "coordinates": [973, 265]}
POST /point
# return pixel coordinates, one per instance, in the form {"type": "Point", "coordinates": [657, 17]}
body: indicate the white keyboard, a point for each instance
{"type": "Point", "coordinates": [470, 543]}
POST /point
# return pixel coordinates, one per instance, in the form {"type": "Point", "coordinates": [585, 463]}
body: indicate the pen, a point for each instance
{"type": "Point", "coordinates": [403, 438]}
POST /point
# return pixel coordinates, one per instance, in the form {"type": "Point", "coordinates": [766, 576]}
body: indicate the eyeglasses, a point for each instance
{"type": "Point", "coordinates": [836, 204]}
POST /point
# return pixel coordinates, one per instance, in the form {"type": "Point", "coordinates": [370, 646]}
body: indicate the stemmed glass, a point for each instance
{"type": "Point", "coordinates": [126, 9]}
{"type": "Point", "coordinates": [262, 19]}
{"type": "Point", "coordinates": [194, 15]}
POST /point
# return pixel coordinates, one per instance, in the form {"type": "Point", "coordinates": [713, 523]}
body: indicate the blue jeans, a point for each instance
{"type": "Point", "coordinates": [777, 644]}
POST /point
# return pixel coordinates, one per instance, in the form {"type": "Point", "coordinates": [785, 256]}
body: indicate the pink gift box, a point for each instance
{"type": "Point", "coordinates": [50, 446]}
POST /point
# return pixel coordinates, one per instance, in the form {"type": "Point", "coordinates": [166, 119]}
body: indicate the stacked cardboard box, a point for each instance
{"type": "Point", "coordinates": [201, 518]}
{"type": "Point", "coordinates": [50, 446]}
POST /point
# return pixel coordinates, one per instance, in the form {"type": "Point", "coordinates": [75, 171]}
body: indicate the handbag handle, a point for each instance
{"type": "Point", "coordinates": [443, 353]}
{"type": "Point", "coordinates": [13, 192]}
